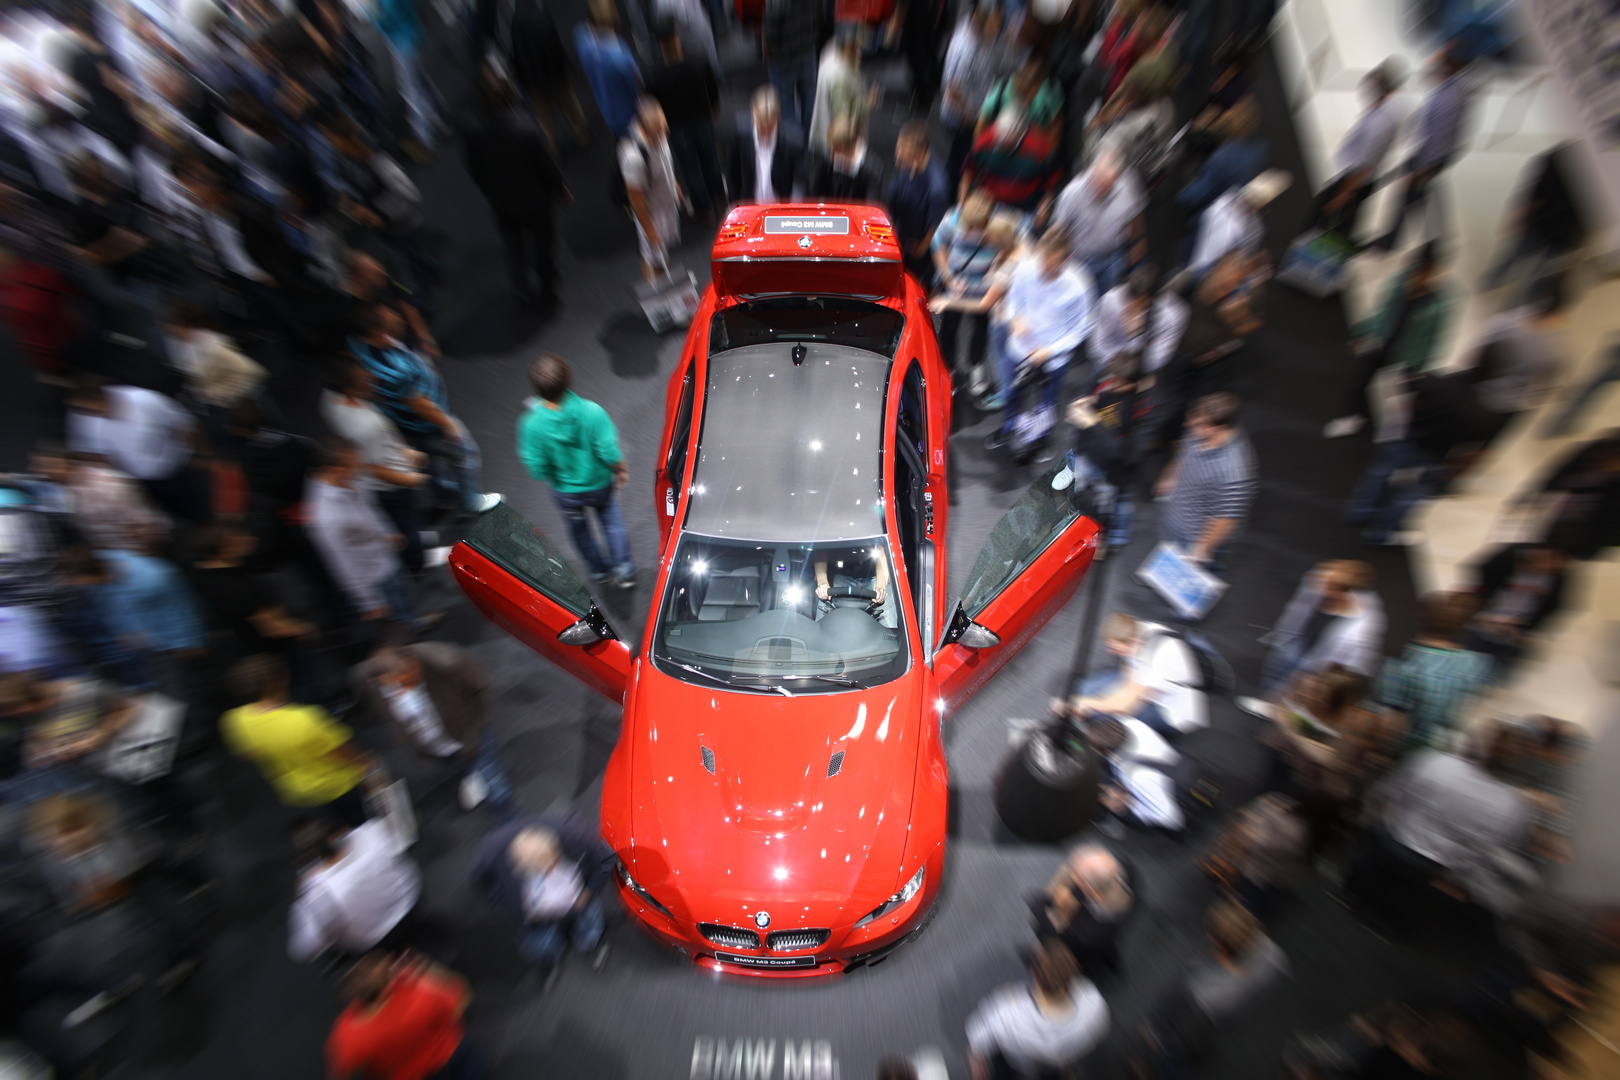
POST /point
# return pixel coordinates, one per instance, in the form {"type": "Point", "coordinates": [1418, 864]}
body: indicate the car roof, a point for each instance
{"type": "Point", "coordinates": [791, 453]}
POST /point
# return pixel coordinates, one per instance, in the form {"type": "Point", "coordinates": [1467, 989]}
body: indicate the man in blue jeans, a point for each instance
{"type": "Point", "coordinates": [548, 876]}
{"type": "Point", "coordinates": [571, 444]}
{"type": "Point", "coordinates": [791, 35]}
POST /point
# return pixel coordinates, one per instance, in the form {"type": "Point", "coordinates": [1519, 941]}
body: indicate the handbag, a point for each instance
{"type": "Point", "coordinates": [1317, 263]}
{"type": "Point", "coordinates": [670, 300]}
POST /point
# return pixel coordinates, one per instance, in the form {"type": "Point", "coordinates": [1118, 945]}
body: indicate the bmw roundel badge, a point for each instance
{"type": "Point", "coordinates": [804, 242]}
{"type": "Point", "coordinates": [763, 919]}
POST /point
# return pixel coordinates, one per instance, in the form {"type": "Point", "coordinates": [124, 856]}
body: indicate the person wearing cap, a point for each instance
{"type": "Point", "coordinates": [1362, 151]}
{"type": "Point", "coordinates": [1232, 222]}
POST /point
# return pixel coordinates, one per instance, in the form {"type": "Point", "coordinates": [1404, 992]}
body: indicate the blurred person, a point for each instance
{"type": "Point", "coordinates": [1127, 686]}
{"type": "Point", "coordinates": [1107, 442]}
{"type": "Point", "coordinates": [791, 34]}
{"type": "Point", "coordinates": [547, 878]}
{"type": "Point", "coordinates": [402, 1020]}
{"type": "Point", "coordinates": [971, 288]}
{"type": "Point", "coordinates": [525, 35]}
{"type": "Point", "coordinates": [1050, 308]}
{"type": "Point", "coordinates": [1015, 163]}
{"type": "Point", "coordinates": [975, 60]}
{"type": "Point", "coordinates": [926, 1064]}
{"type": "Point", "coordinates": [1361, 153]}
{"type": "Point", "coordinates": [655, 195]}
{"type": "Point", "coordinates": [609, 66]}
{"type": "Point", "coordinates": [218, 375]}
{"type": "Point", "coordinates": [393, 471]}
{"type": "Point", "coordinates": [1585, 488]}
{"type": "Point", "coordinates": [108, 507]}
{"type": "Point", "coordinates": [366, 283]}
{"type": "Point", "coordinates": [1237, 159]}
{"type": "Point", "coordinates": [1262, 853]}
{"type": "Point", "coordinates": [410, 391]}
{"type": "Point", "coordinates": [42, 311]}
{"type": "Point", "coordinates": [841, 90]}
{"type": "Point", "coordinates": [1210, 484]}
{"type": "Point", "coordinates": [436, 697]}
{"type": "Point", "coordinates": [1438, 130]}
{"type": "Point", "coordinates": [1544, 758]}
{"type": "Point", "coordinates": [1334, 617]}
{"type": "Point", "coordinates": [309, 758]}
{"type": "Point", "coordinates": [1447, 822]}
{"type": "Point", "coordinates": [571, 444]}
{"type": "Point", "coordinates": [918, 197]}
{"type": "Point", "coordinates": [765, 153]}
{"type": "Point", "coordinates": [689, 91]}
{"type": "Point", "coordinates": [1137, 776]}
{"type": "Point", "coordinates": [62, 722]}
{"type": "Point", "coordinates": [1211, 992]}
{"type": "Point", "coordinates": [356, 886]}
{"type": "Point", "coordinates": [1102, 209]}
{"type": "Point", "coordinates": [692, 23]}
{"type": "Point", "coordinates": [1518, 355]}
{"type": "Point", "coordinates": [507, 156]}
{"type": "Point", "coordinates": [401, 27]}
{"type": "Point", "coordinates": [147, 436]}
{"type": "Point", "coordinates": [919, 24]}
{"type": "Point", "coordinates": [1544, 228]}
{"type": "Point", "coordinates": [1223, 310]}
{"type": "Point", "coordinates": [845, 173]}
{"type": "Point", "coordinates": [1232, 220]}
{"type": "Point", "coordinates": [1027, 96]}
{"type": "Point", "coordinates": [1141, 315]}
{"type": "Point", "coordinates": [1391, 1042]}
{"type": "Point", "coordinates": [143, 599]}
{"type": "Point", "coordinates": [1405, 333]}
{"type": "Point", "coordinates": [1519, 587]}
{"type": "Point", "coordinates": [1435, 676]}
{"type": "Point", "coordinates": [1086, 904]}
{"type": "Point", "coordinates": [1048, 1025]}
{"type": "Point", "coordinates": [246, 617]}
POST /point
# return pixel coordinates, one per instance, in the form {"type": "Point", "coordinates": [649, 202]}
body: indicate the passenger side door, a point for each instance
{"type": "Point", "coordinates": [1036, 557]}
{"type": "Point", "coordinates": [522, 583]}
{"type": "Point", "coordinates": [914, 499]}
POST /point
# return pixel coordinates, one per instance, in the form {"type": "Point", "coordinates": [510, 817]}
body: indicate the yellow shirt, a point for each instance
{"type": "Point", "coordinates": [293, 746]}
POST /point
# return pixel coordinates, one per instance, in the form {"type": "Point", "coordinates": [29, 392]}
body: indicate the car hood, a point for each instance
{"type": "Point", "coordinates": [769, 829]}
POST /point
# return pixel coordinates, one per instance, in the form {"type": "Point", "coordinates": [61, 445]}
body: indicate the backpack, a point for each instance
{"type": "Point", "coordinates": [1215, 674]}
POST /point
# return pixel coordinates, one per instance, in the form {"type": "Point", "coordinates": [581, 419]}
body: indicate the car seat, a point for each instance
{"type": "Point", "coordinates": [724, 595]}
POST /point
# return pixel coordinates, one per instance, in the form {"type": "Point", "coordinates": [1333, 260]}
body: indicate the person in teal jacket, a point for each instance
{"type": "Point", "coordinates": [571, 444]}
{"type": "Point", "coordinates": [1404, 333]}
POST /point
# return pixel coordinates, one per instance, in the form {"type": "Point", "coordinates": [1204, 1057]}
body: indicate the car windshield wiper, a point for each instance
{"type": "Point", "coordinates": [841, 680]}
{"type": "Point", "coordinates": [726, 680]}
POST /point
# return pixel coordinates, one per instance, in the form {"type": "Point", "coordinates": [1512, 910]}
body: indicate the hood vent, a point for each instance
{"type": "Point", "coordinates": [834, 764]}
{"type": "Point", "coordinates": [708, 759]}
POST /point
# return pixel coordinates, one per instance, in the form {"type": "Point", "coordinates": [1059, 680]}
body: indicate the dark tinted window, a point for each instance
{"type": "Point", "coordinates": [675, 465]}
{"type": "Point", "coordinates": [832, 320]}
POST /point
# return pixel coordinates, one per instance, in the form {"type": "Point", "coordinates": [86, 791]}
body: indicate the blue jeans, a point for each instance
{"type": "Point", "coordinates": [397, 594]}
{"type": "Point", "coordinates": [1279, 667]}
{"type": "Point", "coordinates": [545, 943]}
{"type": "Point", "coordinates": [487, 764]}
{"type": "Point", "coordinates": [1113, 501]}
{"type": "Point", "coordinates": [420, 109]}
{"type": "Point", "coordinates": [457, 466]}
{"type": "Point", "coordinates": [1381, 499]}
{"type": "Point", "coordinates": [573, 505]}
{"type": "Point", "coordinates": [1099, 683]}
{"type": "Point", "coordinates": [1107, 270]}
{"type": "Point", "coordinates": [1049, 379]}
{"type": "Point", "coordinates": [795, 80]}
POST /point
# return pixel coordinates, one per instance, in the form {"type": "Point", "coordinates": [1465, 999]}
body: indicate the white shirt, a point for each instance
{"type": "Point", "coordinates": [144, 433]}
{"type": "Point", "coordinates": [1168, 317]}
{"type": "Point", "coordinates": [368, 428]}
{"type": "Point", "coordinates": [1228, 225]}
{"type": "Point", "coordinates": [1057, 314]}
{"type": "Point", "coordinates": [1367, 142]}
{"type": "Point", "coordinates": [353, 903]}
{"type": "Point", "coordinates": [1009, 1021]}
{"type": "Point", "coordinates": [764, 156]}
{"type": "Point", "coordinates": [414, 710]}
{"type": "Point", "coordinates": [549, 896]}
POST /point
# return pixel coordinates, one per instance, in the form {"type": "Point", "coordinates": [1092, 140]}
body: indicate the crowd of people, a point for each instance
{"type": "Point", "coordinates": [208, 221]}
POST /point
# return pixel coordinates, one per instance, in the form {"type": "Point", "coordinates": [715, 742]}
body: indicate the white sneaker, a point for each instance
{"type": "Point", "coordinates": [1063, 480]}
{"type": "Point", "coordinates": [1344, 425]}
{"type": "Point", "coordinates": [487, 502]}
{"type": "Point", "coordinates": [1265, 710]}
{"type": "Point", "coordinates": [474, 790]}
{"type": "Point", "coordinates": [978, 380]}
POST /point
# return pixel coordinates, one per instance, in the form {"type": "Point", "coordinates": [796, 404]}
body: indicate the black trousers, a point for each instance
{"type": "Point", "coordinates": [950, 325]}
{"type": "Point", "coordinates": [529, 250]}
{"type": "Point", "coordinates": [1343, 220]}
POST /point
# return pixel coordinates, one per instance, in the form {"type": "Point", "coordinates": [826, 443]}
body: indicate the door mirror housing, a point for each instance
{"type": "Point", "coordinates": [589, 630]}
{"type": "Point", "coordinates": [965, 632]}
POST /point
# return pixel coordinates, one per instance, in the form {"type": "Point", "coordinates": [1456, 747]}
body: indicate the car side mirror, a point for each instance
{"type": "Point", "coordinates": [589, 630]}
{"type": "Point", "coordinates": [965, 632]}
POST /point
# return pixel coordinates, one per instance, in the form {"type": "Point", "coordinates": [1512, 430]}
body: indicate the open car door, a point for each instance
{"type": "Point", "coordinates": [1035, 559]}
{"type": "Point", "coordinates": [520, 581]}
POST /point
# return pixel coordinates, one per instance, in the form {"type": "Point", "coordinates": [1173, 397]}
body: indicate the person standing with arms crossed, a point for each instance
{"type": "Point", "coordinates": [571, 444]}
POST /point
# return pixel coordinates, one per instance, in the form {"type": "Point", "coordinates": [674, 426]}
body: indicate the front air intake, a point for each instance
{"type": "Point", "coordinates": [834, 764]}
{"type": "Point", "coordinates": [731, 937]}
{"type": "Point", "coordinates": [796, 940]}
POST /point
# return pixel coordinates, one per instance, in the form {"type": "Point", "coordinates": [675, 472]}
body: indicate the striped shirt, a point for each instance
{"type": "Point", "coordinates": [968, 255]}
{"type": "Point", "coordinates": [1211, 483]}
{"type": "Point", "coordinates": [1439, 121]}
{"type": "Point", "coordinates": [1431, 685]}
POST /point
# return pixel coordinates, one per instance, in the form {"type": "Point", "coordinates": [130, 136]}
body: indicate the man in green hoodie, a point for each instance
{"type": "Point", "coordinates": [571, 444]}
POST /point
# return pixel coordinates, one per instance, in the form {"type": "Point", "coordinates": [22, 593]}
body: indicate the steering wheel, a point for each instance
{"type": "Point", "coordinates": [851, 592]}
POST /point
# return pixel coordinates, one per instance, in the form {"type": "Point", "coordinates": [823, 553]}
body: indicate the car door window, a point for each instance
{"type": "Point", "coordinates": [1037, 519]}
{"type": "Point", "coordinates": [506, 539]}
{"type": "Point", "coordinates": [910, 477]}
{"type": "Point", "coordinates": [675, 464]}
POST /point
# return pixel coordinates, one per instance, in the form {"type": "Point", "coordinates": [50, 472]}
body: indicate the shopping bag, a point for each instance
{"type": "Point", "coordinates": [669, 300]}
{"type": "Point", "coordinates": [144, 748]}
{"type": "Point", "coordinates": [1317, 263]}
{"type": "Point", "coordinates": [1188, 588]}
{"type": "Point", "coordinates": [392, 803]}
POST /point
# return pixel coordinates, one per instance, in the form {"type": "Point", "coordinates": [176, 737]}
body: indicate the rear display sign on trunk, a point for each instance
{"type": "Point", "coordinates": [766, 961]}
{"type": "Point", "coordinates": [830, 226]}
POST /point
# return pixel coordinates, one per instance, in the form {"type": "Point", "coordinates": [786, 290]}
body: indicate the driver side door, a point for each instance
{"type": "Point", "coordinates": [1035, 559]}
{"type": "Point", "coordinates": [521, 582]}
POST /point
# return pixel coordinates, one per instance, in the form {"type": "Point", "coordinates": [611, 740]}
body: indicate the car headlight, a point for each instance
{"type": "Point", "coordinates": [634, 886]}
{"type": "Point", "coordinates": [907, 891]}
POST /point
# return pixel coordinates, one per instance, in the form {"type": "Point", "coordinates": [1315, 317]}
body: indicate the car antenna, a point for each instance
{"type": "Point", "coordinates": [799, 352]}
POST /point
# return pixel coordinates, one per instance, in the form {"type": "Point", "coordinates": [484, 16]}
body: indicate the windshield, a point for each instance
{"type": "Point", "coordinates": [781, 618]}
{"type": "Point", "coordinates": [833, 320]}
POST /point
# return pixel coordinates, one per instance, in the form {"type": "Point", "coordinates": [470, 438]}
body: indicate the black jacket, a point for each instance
{"type": "Point", "coordinates": [491, 872]}
{"type": "Point", "coordinates": [784, 164]}
{"type": "Point", "coordinates": [508, 159]}
{"type": "Point", "coordinates": [1495, 573]}
{"type": "Point", "coordinates": [822, 181]}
